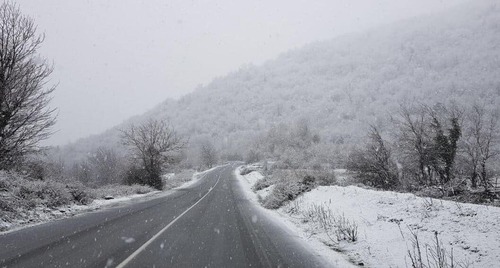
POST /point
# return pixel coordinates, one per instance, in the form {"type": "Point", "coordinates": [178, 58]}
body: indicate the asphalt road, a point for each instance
{"type": "Point", "coordinates": [210, 224]}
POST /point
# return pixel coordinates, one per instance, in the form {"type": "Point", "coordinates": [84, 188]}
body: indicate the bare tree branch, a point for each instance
{"type": "Point", "coordinates": [152, 143]}
{"type": "Point", "coordinates": [25, 118]}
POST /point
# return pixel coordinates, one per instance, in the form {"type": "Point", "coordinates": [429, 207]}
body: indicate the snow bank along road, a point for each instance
{"type": "Point", "coordinates": [209, 224]}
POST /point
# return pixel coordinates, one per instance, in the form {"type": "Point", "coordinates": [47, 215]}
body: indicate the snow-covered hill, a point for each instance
{"type": "Point", "coordinates": [342, 84]}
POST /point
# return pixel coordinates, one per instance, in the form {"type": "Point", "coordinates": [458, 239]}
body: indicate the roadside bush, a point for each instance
{"type": "Point", "coordinates": [288, 186]}
{"type": "Point", "coordinates": [81, 194]}
{"type": "Point", "coordinates": [139, 175]}
{"type": "Point", "coordinates": [282, 192]}
{"type": "Point", "coordinates": [7, 206]}
{"type": "Point", "coordinates": [247, 170]}
{"type": "Point", "coordinates": [262, 184]}
{"type": "Point", "coordinates": [20, 192]}
{"type": "Point", "coordinates": [55, 194]}
{"type": "Point", "coordinates": [136, 175]}
{"type": "Point", "coordinates": [50, 194]}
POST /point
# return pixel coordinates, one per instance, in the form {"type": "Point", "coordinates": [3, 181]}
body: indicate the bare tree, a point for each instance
{"type": "Point", "coordinates": [428, 139]}
{"type": "Point", "coordinates": [414, 139]}
{"type": "Point", "coordinates": [480, 143]}
{"type": "Point", "coordinates": [208, 154]}
{"type": "Point", "coordinates": [152, 143]}
{"type": "Point", "coordinates": [25, 118]}
{"type": "Point", "coordinates": [106, 166]}
{"type": "Point", "coordinates": [374, 163]}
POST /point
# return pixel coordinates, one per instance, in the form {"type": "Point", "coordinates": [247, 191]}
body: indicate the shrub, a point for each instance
{"type": "Point", "coordinates": [51, 194]}
{"type": "Point", "coordinates": [136, 175]}
{"type": "Point", "coordinates": [262, 184]}
{"type": "Point", "coordinates": [55, 195]}
{"type": "Point", "coordinates": [282, 192]}
{"type": "Point", "coordinates": [247, 170]}
{"type": "Point", "coordinates": [139, 175]}
{"type": "Point", "coordinates": [308, 180]}
{"type": "Point", "coordinates": [336, 227]}
{"type": "Point", "coordinates": [290, 183]}
{"type": "Point", "coordinates": [81, 194]}
{"type": "Point", "coordinates": [288, 189]}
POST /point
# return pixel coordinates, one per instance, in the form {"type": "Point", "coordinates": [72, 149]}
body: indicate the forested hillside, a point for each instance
{"type": "Point", "coordinates": [338, 87]}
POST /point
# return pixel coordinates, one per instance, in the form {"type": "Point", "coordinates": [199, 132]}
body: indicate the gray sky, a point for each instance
{"type": "Point", "coordinates": [118, 58]}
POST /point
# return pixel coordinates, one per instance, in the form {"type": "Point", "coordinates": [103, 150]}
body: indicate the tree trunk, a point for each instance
{"type": "Point", "coordinates": [473, 178]}
{"type": "Point", "coordinates": [484, 178]}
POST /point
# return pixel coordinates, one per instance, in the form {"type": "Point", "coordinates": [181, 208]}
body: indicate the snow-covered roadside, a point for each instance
{"type": "Point", "coordinates": [319, 248]}
{"type": "Point", "coordinates": [386, 221]}
{"type": "Point", "coordinates": [44, 215]}
{"type": "Point", "coordinates": [41, 215]}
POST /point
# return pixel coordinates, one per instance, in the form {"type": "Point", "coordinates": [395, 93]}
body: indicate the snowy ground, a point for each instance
{"type": "Point", "coordinates": [43, 215]}
{"type": "Point", "coordinates": [386, 221]}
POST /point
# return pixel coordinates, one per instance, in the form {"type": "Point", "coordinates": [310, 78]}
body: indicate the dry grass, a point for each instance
{"type": "Point", "coordinates": [433, 255]}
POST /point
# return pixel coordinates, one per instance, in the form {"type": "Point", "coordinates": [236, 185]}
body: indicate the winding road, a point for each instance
{"type": "Point", "coordinates": [208, 224]}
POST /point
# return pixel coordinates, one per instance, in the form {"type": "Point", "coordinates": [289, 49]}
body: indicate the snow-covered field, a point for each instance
{"type": "Point", "coordinates": [387, 221]}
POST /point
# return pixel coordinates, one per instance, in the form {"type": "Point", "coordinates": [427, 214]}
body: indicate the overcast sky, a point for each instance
{"type": "Point", "coordinates": [115, 59]}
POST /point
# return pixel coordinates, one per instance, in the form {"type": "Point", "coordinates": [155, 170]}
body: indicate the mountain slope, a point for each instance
{"type": "Point", "coordinates": [343, 84]}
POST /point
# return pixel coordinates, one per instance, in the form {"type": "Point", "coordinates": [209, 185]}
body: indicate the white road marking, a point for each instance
{"type": "Point", "coordinates": [145, 245]}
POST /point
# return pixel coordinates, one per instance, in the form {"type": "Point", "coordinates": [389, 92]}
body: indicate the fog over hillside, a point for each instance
{"type": "Point", "coordinates": [341, 85]}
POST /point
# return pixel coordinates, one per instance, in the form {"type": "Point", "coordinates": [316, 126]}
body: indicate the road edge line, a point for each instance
{"type": "Point", "coordinates": [145, 245]}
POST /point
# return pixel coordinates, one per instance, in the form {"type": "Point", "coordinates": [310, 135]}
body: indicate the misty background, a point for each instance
{"type": "Point", "coordinates": [116, 59]}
